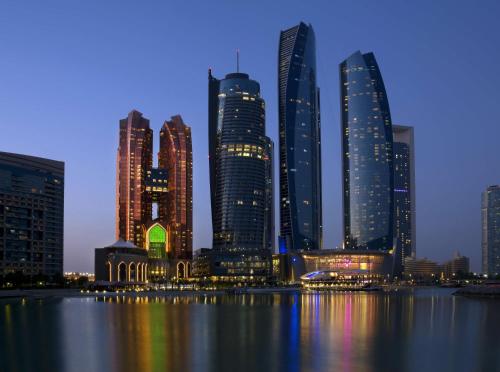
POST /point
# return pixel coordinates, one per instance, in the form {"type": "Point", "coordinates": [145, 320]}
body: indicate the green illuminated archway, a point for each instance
{"type": "Point", "coordinates": [157, 241]}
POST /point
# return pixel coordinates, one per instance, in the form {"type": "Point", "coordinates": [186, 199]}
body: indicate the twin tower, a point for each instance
{"type": "Point", "coordinates": [140, 186]}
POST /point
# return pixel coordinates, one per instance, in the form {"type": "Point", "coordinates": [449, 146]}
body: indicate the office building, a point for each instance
{"type": "Point", "coordinates": [31, 215]}
{"type": "Point", "coordinates": [269, 199]}
{"type": "Point", "coordinates": [404, 190]}
{"type": "Point", "coordinates": [421, 269]}
{"type": "Point", "coordinates": [299, 141]}
{"type": "Point", "coordinates": [367, 156]}
{"type": "Point", "coordinates": [240, 162]}
{"type": "Point", "coordinates": [490, 211]}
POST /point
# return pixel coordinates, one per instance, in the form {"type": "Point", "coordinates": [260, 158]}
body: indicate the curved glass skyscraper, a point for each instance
{"type": "Point", "coordinates": [368, 177]}
{"type": "Point", "coordinates": [299, 141]}
{"type": "Point", "coordinates": [240, 159]}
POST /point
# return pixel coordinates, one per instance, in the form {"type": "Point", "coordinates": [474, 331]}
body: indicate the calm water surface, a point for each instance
{"type": "Point", "coordinates": [421, 330]}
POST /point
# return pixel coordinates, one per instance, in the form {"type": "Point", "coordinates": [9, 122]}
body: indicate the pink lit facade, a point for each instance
{"type": "Point", "coordinates": [176, 157]}
{"type": "Point", "coordinates": [134, 159]}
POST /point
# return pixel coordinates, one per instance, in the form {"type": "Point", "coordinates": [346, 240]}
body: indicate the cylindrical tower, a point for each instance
{"type": "Point", "coordinates": [238, 161]}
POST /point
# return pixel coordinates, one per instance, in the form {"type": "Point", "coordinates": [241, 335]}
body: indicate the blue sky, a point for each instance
{"type": "Point", "coordinates": [69, 70]}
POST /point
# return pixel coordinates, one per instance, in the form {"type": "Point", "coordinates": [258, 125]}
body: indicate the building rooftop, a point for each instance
{"type": "Point", "coordinates": [120, 243]}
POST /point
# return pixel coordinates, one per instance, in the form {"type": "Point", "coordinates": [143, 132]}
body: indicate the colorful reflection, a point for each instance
{"type": "Point", "coordinates": [414, 331]}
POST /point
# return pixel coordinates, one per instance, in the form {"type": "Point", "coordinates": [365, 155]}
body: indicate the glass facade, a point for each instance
{"type": "Point", "coordinates": [31, 215]}
{"type": "Point", "coordinates": [344, 265]}
{"type": "Point", "coordinates": [299, 141]}
{"type": "Point", "coordinates": [269, 197]}
{"type": "Point", "coordinates": [404, 190]}
{"type": "Point", "coordinates": [490, 210]}
{"type": "Point", "coordinates": [239, 165]}
{"type": "Point", "coordinates": [368, 172]}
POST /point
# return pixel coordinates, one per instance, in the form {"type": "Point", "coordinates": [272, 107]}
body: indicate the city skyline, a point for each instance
{"type": "Point", "coordinates": [440, 167]}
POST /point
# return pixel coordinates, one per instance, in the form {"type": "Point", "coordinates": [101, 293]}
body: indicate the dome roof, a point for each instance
{"type": "Point", "coordinates": [120, 243]}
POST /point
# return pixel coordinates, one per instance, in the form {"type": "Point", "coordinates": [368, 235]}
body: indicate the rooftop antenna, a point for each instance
{"type": "Point", "coordinates": [237, 60]}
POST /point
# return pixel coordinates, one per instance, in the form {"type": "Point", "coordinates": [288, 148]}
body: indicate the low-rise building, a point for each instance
{"type": "Point", "coordinates": [233, 266]}
{"type": "Point", "coordinates": [121, 262]}
{"type": "Point", "coordinates": [421, 269]}
{"type": "Point", "coordinates": [458, 265]}
{"type": "Point", "coordinates": [334, 266]}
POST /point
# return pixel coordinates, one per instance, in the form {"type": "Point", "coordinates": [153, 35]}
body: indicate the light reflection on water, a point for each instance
{"type": "Point", "coordinates": [422, 330]}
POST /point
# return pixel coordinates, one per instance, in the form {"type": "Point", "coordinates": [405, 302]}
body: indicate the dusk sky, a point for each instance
{"type": "Point", "coordinates": [70, 70]}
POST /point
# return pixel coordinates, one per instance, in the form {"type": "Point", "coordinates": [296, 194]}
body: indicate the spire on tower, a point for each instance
{"type": "Point", "coordinates": [237, 60]}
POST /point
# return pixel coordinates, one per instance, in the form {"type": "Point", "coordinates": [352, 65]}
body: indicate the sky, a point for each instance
{"type": "Point", "coordinates": [70, 70]}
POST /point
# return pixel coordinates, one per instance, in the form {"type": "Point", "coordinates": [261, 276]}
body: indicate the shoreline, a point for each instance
{"type": "Point", "coordinates": [74, 293]}
{"type": "Point", "coordinates": [492, 292]}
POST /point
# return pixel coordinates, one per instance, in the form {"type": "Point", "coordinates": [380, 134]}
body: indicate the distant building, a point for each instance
{"type": "Point", "coordinates": [31, 215]}
{"type": "Point", "coordinates": [269, 197]}
{"type": "Point", "coordinates": [490, 211]}
{"type": "Point", "coordinates": [404, 190]}
{"type": "Point", "coordinates": [421, 269]}
{"type": "Point", "coordinates": [458, 265]}
{"type": "Point", "coordinates": [176, 156]}
{"type": "Point", "coordinates": [367, 156]}
{"type": "Point", "coordinates": [75, 276]}
{"type": "Point", "coordinates": [299, 141]}
{"type": "Point", "coordinates": [139, 186]}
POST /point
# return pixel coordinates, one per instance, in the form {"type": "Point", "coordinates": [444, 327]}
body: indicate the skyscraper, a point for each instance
{"type": "Point", "coordinates": [299, 140]}
{"type": "Point", "coordinates": [134, 159]}
{"type": "Point", "coordinates": [490, 211]}
{"type": "Point", "coordinates": [404, 189]}
{"type": "Point", "coordinates": [269, 206]}
{"type": "Point", "coordinates": [368, 172]}
{"type": "Point", "coordinates": [240, 165]}
{"type": "Point", "coordinates": [176, 156]}
{"type": "Point", "coordinates": [140, 186]}
{"type": "Point", "coordinates": [31, 215]}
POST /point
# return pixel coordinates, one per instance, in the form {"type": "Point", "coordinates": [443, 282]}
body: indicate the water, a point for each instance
{"type": "Point", "coordinates": [421, 330]}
